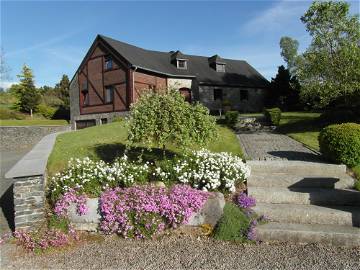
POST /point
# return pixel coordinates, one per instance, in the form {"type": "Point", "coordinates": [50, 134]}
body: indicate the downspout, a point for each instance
{"type": "Point", "coordinates": [133, 84]}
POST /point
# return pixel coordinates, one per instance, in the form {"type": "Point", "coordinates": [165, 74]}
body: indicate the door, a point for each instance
{"type": "Point", "coordinates": [186, 92]}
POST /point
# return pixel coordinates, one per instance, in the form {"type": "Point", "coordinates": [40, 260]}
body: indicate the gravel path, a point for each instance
{"type": "Point", "coordinates": [186, 252]}
{"type": "Point", "coordinates": [272, 146]}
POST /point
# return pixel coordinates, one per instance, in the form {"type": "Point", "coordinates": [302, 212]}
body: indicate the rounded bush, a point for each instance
{"type": "Point", "coordinates": [273, 116]}
{"type": "Point", "coordinates": [341, 143]}
{"type": "Point", "coordinates": [231, 118]}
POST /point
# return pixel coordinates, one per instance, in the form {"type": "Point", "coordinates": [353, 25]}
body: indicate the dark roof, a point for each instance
{"type": "Point", "coordinates": [238, 72]}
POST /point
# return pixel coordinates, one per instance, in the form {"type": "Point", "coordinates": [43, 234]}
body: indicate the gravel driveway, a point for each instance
{"type": "Point", "coordinates": [189, 252]}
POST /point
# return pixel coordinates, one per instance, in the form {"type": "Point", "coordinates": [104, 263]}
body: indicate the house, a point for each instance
{"type": "Point", "coordinates": [113, 75]}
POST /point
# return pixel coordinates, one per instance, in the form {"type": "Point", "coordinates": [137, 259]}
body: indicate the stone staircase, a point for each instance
{"type": "Point", "coordinates": [307, 202]}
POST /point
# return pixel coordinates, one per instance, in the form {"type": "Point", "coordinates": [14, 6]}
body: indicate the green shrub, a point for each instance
{"type": "Point", "coordinates": [231, 118]}
{"type": "Point", "coordinates": [337, 116]}
{"type": "Point", "coordinates": [357, 185]}
{"type": "Point", "coordinates": [233, 225]}
{"type": "Point", "coordinates": [46, 111]}
{"type": "Point", "coordinates": [9, 114]}
{"type": "Point", "coordinates": [157, 119]}
{"type": "Point", "coordinates": [341, 143]}
{"type": "Point", "coordinates": [273, 116]}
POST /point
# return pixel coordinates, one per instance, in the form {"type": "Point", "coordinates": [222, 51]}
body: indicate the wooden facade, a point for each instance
{"type": "Point", "coordinates": [127, 84]}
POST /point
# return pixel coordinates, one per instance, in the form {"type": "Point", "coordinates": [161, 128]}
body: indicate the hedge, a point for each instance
{"type": "Point", "coordinates": [341, 143]}
{"type": "Point", "coordinates": [273, 116]}
{"type": "Point", "coordinates": [231, 118]}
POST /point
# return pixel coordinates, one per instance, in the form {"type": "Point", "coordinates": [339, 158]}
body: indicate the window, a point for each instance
{"type": "Point", "coordinates": [218, 94]}
{"type": "Point", "coordinates": [85, 98]}
{"type": "Point", "coordinates": [108, 63]}
{"type": "Point", "coordinates": [244, 95]}
{"type": "Point", "coordinates": [104, 121]}
{"type": "Point", "coordinates": [109, 94]}
{"type": "Point", "coordinates": [181, 64]}
{"type": "Point", "coordinates": [220, 67]}
{"type": "Point", "coordinates": [85, 123]}
{"type": "Point", "coordinates": [84, 86]}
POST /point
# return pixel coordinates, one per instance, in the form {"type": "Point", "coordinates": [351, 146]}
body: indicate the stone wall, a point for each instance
{"type": "Point", "coordinates": [29, 202]}
{"type": "Point", "coordinates": [29, 181]}
{"type": "Point", "coordinates": [21, 137]}
{"type": "Point", "coordinates": [255, 102]}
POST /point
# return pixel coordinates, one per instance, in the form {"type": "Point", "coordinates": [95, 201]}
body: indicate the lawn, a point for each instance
{"type": "Point", "coordinates": [301, 126]}
{"type": "Point", "coordinates": [106, 142]}
{"type": "Point", "coordinates": [35, 122]}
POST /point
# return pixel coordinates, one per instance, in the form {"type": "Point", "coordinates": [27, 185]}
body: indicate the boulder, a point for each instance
{"type": "Point", "coordinates": [88, 222]}
{"type": "Point", "coordinates": [211, 212]}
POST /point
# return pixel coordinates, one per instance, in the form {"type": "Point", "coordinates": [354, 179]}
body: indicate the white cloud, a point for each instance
{"type": "Point", "coordinates": [276, 17]}
{"type": "Point", "coordinates": [6, 85]}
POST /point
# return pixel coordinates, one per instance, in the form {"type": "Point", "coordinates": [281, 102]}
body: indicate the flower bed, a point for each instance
{"type": "Point", "coordinates": [200, 169]}
{"type": "Point", "coordinates": [207, 171]}
{"type": "Point", "coordinates": [143, 211]}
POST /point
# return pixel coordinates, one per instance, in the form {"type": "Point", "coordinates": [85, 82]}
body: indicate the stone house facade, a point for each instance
{"type": "Point", "coordinates": [113, 75]}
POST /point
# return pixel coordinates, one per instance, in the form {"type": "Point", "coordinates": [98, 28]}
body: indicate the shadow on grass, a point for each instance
{"type": "Point", "coordinates": [299, 126]}
{"type": "Point", "coordinates": [109, 152]}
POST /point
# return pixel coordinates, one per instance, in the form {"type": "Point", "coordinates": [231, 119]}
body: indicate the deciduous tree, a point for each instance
{"type": "Point", "coordinates": [329, 68]}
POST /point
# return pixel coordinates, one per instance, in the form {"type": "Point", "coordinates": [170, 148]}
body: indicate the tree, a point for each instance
{"type": "Point", "coordinates": [329, 69]}
{"type": "Point", "coordinates": [157, 119]}
{"type": "Point", "coordinates": [27, 93]}
{"type": "Point", "coordinates": [62, 89]}
{"type": "Point", "coordinates": [284, 90]}
{"type": "Point", "coordinates": [289, 52]}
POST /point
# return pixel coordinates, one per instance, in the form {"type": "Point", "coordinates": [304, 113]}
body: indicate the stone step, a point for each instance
{"type": "Point", "coordinates": [310, 214]}
{"type": "Point", "coordinates": [306, 233]}
{"type": "Point", "coordinates": [296, 167]}
{"type": "Point", "coordinates": [306, 180]}
{"type": "Point", "coordinates": [307, 196]}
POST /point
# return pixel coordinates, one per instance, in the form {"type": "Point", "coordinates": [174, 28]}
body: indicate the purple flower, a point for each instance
{"type": "Point", "coordinates": [245, 201]}
{"type": "Point", "coordinates": [63, 204]}
{"type": "Point", "coordinates": [143, 211]}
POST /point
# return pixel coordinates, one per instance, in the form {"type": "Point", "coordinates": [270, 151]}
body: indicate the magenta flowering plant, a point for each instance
{"type": "Point", "coordinates": [244, 201]}
{"type": "Point", "coordinates": [62, 205]}
{"type": "Point", "coordinates": [50, 238]}
{"type": "Point", "coordinates": [143, 211]}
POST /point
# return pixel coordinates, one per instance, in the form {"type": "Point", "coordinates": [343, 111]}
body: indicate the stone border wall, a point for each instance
{"type": "Point", "coordinates": [29, 176]}
{"type": "Point", "coordinates": [10, 136]}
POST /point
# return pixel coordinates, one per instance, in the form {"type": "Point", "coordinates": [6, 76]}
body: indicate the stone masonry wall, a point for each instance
{"type": "Point", "coordinates": [21, 137]}
{"type": "Point", "coordinates": [29, 202]}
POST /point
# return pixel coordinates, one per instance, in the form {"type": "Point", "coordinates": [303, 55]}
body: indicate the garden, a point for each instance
{"type": "Point", "coordinates": [148, 174]}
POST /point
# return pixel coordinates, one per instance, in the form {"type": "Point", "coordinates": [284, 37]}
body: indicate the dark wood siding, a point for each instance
{"type": "Point", "coordinates": [144, 82]}
{"type": "Point", "coordinates": [94, 75]}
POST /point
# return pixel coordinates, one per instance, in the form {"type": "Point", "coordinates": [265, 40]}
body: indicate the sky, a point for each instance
{"type": "Point", "coordinates": [52, 37]}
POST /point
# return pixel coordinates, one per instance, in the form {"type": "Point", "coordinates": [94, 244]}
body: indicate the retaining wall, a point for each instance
{"type": "Point", "coordinates": [29, 176]}
{"type": "Point", "coordinates": [22, 137]}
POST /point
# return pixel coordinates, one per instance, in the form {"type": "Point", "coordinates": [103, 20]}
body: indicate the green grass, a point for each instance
{"type": "Point", "coordinates": [233, 225]}
{"type": "Point", "coordinates": [301, 126]}
{"type": "Point", "coordinates": [35, 122]}
{"type": "Point", "coordinates": [106, 142]}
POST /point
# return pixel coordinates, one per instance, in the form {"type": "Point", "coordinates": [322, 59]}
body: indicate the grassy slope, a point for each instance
{"type": "Point", "coordinates": [302, 127]}
{"type": "Point", "coordinates": [35, 122]}
{"type": "Point", "coordinates": [108, 141]}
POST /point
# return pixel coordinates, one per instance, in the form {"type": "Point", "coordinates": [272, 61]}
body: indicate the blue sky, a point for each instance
{"type": "Point", "coordinates": [52, 37]}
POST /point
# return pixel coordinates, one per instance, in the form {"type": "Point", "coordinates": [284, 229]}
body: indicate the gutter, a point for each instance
{"type": "Point", "coordinates": [163, 73]}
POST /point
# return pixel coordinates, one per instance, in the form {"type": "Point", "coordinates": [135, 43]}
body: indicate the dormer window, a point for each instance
{"type": "Point", "coordinates": [181, 64]}
{"type": "Point", "coordinates": [217, 63]}
{"type": "Point", "coordinates": [108, 63]}
{"type": "Point", "coordinates": [178, 59]}
{"type": "Point", "coordinates": [220, 67]}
